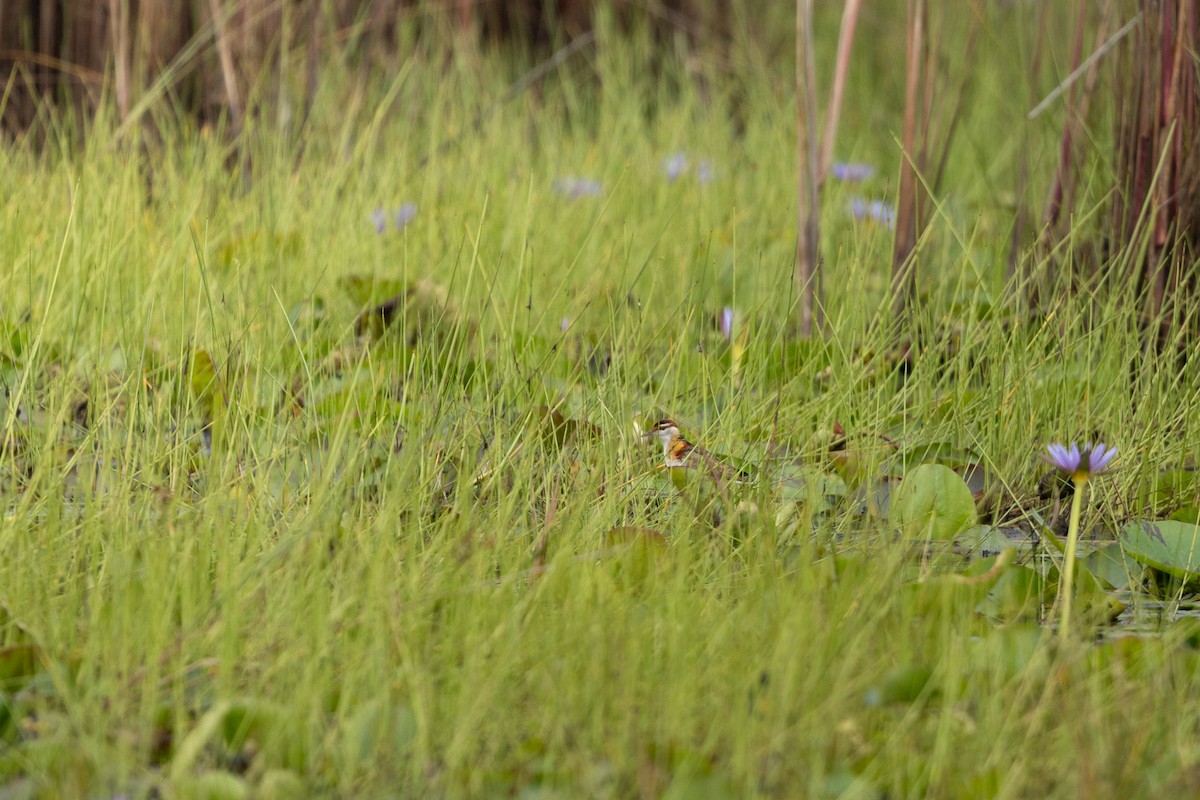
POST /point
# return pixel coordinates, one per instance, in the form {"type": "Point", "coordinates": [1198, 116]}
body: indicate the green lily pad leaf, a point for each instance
{"type": "Point", "coordinates": [1168, 487]}
{"type": "Point", "coordinates": [18, 663]}
{"type": "Point", "coordinates": [962, 592]}
{"type": "Point", "coordinates": [247, 719]}
{"type": "Point", "coordinates": [212, 785]}
{"type": "Point", "coordinates": [940, 453]}
{"type": "Point", "coordinates": [845, 785]}
{"type": "Point", "coordinates": [821, 490]}
{"type": "Point", "coordinates": [1167, 545]}
{"type": "Point", "coordinates": [368, 290]}
{"type": "Point", "coordinates": [901, 684]}
{"type": "Point", "coordinates": [700, 787]}
{"type": "Point", "coordinates": [558, 430]}
{"type": "Point", "coordinates": [933, 502]}
{"type": "Point", "coordinates": [986, 541]}
{"type": "Point", "coordinates": [1009, 650]}
{"type": "Point", "coordinates": [205, 383]}
{"type": "Point", "coordinates": [281, 784]}
{"type": "Point", "coordinates": [629, 535]}
{"type": "Point", "coordinates": [1113, 566]}
{"type": "Point", "coordinates": [1018, 594]}
{"type": "Point", "coordinates": [1190, 514]}
{"type": "Point", "coordinates": [977, 478]}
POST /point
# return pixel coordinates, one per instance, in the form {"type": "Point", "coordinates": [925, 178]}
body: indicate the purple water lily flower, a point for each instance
{"type": "Point", "coordinates": [851, 173]}
{"type": "Point", "coordinates": [674, 166]}
{"type": "Point", "coordinates": [725, 323]}
{"type": "Point", "coordinates": [874, 211]}
{"type": "Point", "coordinates": [379, 220]}
{"type": "Point", "coordinates": [404, 215]}
{"type": "Point", "coordinates": [1080, 464]}
{"type": "Point", "coordinates": [573, 188]}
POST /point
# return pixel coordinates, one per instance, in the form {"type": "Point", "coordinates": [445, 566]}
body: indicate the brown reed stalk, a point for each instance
{"type": "Point", "coordinates": [1155, 222]}
{"type": "Point", "coordinates": [906, 207]}
{"type": "Point", "coordinates": [841, 68]}
{"type": "Point", "coordinates": [118, 14]}
{"type": "Point", "coordinates": [233, 95]}
{"type": "Point", "coordinates": [807, 209]}
{"type": "Point", "coordinates": [927, 136]}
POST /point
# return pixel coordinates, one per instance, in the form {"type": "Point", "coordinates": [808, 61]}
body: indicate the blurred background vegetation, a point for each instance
{"type": "Point", "coordinates": [1116, 80]}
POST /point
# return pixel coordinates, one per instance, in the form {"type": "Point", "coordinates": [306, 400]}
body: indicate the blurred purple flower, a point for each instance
{"type": "Point", "coordinates": [874, 211]}
{"type": "Point", "coordinates": [851, 173]}
{"type": "Point", "coordinates": [674, 166]}
{"type": "Point", "coordinates": [725, 323]}
{"type": "Point", "coordinates": [573, 188]}
{"type": "Point", "coordinates": [1080, 465]}
{"type": "Point", "coordinates": [565, 325]}
{"type": "Point", "coordinates": [379, 220]}
{"type": "Point", "coordinates": [404, 215]}
{"type": "Point", "coordinates": [706, 172]}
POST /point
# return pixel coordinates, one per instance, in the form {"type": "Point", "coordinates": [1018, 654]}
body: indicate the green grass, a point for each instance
{"type": "Point", "coordinates": [383, 577]}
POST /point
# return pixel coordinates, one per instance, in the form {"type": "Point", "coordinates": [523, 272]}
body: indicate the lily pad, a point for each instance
{"type": "Point", "coordinates": [1167, 545]}
{"type": "Point", "coordinates": [933, 502]}
{"type": "Point", "coordinates": [558, 430]}
{"type": "Point", "coordinates": [904, 683]}
{"type": "Point", "coordinates": [1112, 565]}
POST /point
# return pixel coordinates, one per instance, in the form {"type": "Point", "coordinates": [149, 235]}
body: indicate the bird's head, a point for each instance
{"type": "Point", "coordinates": [665, 430]}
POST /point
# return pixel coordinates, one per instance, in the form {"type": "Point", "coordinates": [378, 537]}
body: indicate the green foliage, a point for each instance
{"type": "Point", "coordinates": [1166, 545]}
{"type": "Point", "coordinates": [933, 502]}
{"type": "Point", "coordinates": [294, 508]}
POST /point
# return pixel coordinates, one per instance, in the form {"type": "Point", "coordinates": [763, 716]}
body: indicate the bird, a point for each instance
{"type": "Point", "coordinates": [679, 454]}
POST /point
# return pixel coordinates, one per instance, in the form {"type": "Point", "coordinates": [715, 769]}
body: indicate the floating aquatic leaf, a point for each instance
{"type": "Point", "coordinates": [1008, 651]}
{"type": "Point", "coordinates": [846, 785]}
{"type": "Point", "coordinates": [211, 785]}
{"type": "Point", "coordinates": [205, 384]}
{"type": "Point", "coordinates": [281, 784]}
{"type": "Point", "coordinates": [901, 684]}
{"type": "Point", "coordinates": [560, 430]}
{"type": "Point", "coordinates": [961, 593]}
{"type": "Point", "coordinates": [625, 535]}
{"type": "Point", "coordinates": [985, 541]}
{"type": "Point", "coordinates": [947, 453]}
{"type": "Point", "coordinates": [1168, 488]}
{"type": "Point", "coordinates": [1190, 514]}
{"type": "Point", "coordinates": [1113, 566]}
{"type": "Point", "coordinates": [1019, 593]}
{"type": "Point", "coordinates": [377, 725]}
{"type": "Point", "coordinates": [369, 290]}
{"type": "Point", "coordinates": [13, 343]}
{"type": "Point", "coordinates": [634, 554]}
{"type": "Point", "coordinates": [701, 787]}
{"type": "Point", "coordinates": [933, 502]}
{"type": "Point", "coordinates": [18, 663]}
{"type": "Point", "coordinates": [423, 307]}
{"type": "Point", "coordinates": [1166, 545]}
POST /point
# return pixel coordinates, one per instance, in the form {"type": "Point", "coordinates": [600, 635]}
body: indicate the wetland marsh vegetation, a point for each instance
{"type": "Point", "coordinates": [323, 471]}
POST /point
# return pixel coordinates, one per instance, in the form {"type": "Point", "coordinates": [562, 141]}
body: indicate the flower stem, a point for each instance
{"type": "Point", "coordinates": [1067, 588]}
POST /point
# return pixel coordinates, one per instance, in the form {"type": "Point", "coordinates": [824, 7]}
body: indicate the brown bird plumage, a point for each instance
{"type": "Point", "coordinates": [679, 452]}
